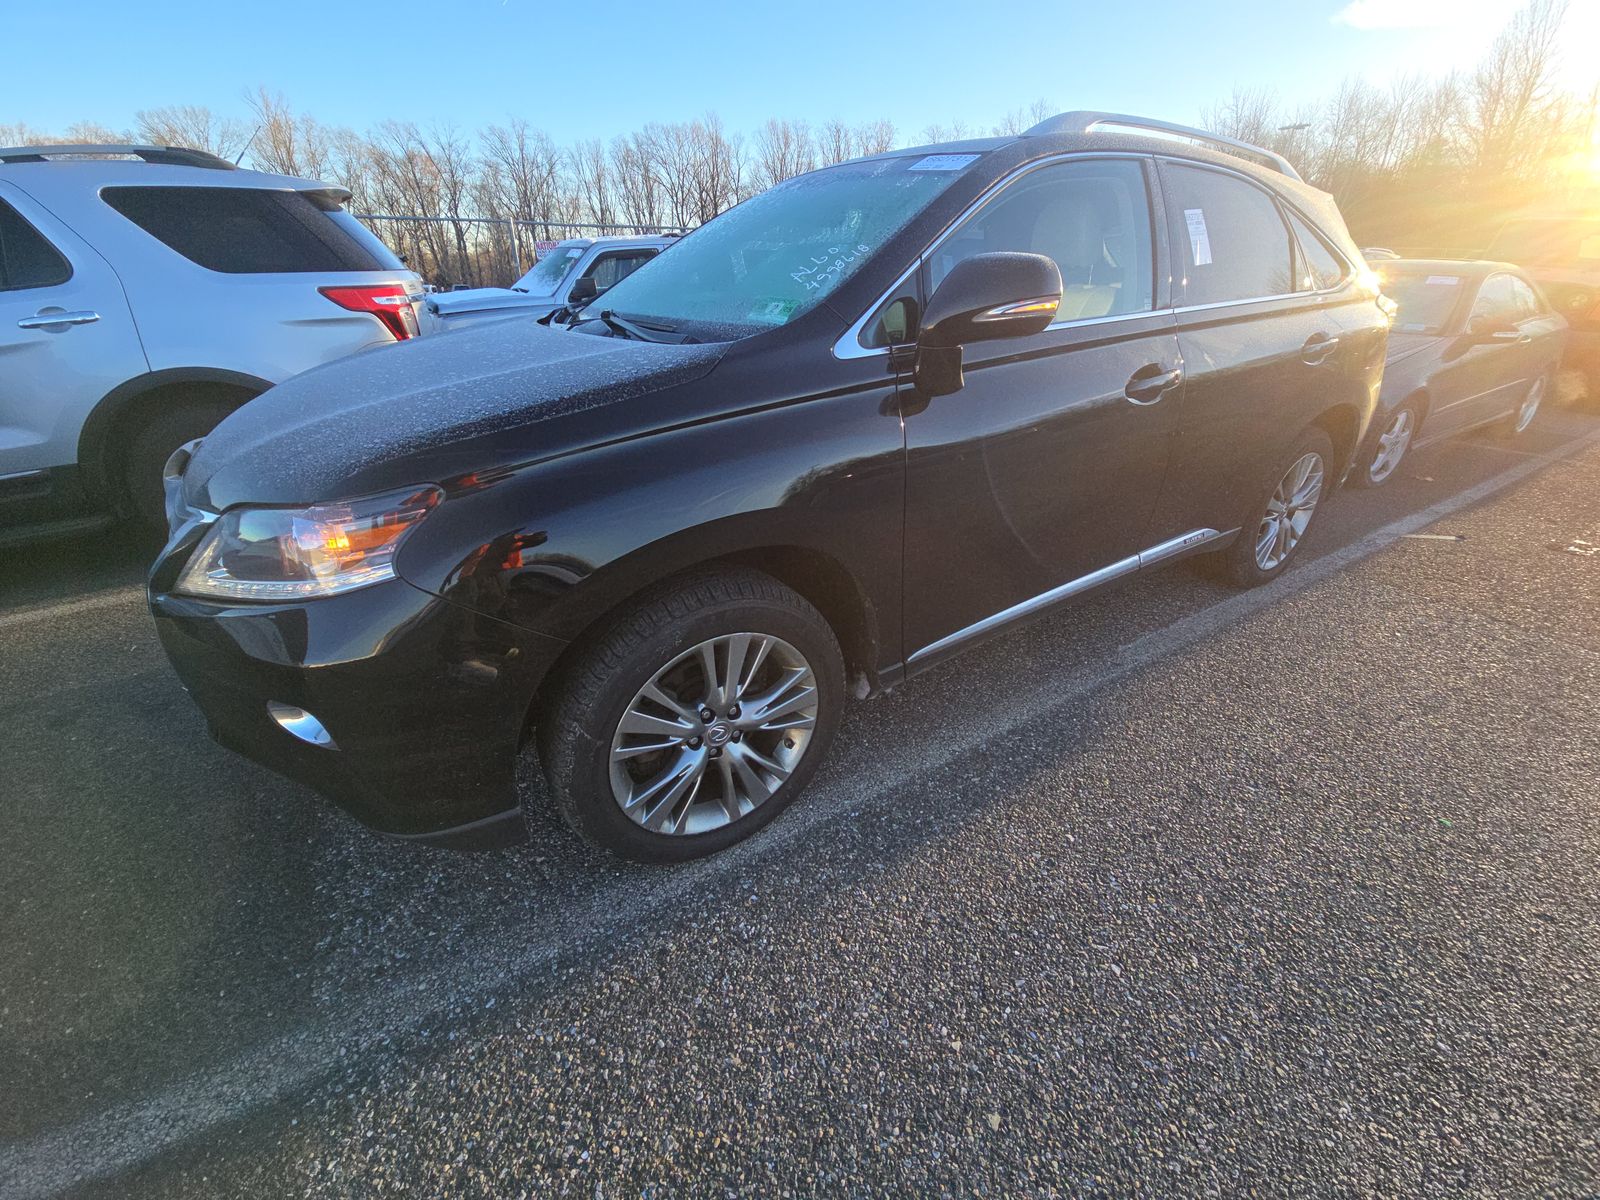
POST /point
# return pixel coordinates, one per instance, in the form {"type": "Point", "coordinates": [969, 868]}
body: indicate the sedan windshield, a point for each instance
{"type": "Point", "coordinates": [549, 271]}
{"type": "Point", "coordinates": [770, 259]}
{"type": "Point", "coordinates": [1426, 299]}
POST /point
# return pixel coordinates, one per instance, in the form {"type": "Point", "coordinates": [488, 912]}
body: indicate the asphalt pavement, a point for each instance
{"type": "Point", "coordinates": [1176, 892]}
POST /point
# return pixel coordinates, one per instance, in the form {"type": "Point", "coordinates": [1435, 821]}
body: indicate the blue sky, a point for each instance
{"type": "Point", "coordinates": [587, 69]}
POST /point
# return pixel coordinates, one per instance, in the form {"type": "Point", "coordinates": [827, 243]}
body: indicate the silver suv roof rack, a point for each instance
{"type": "Point", "coordinates": [1084, 122]}
{"type": "Point", "coordinates": [175, 156]}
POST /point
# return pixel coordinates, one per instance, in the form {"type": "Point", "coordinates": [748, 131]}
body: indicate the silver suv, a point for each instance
{"type": "Point", "coordinates": [145, 293]}
{"type": "Point", "coordinates": [575, 270]}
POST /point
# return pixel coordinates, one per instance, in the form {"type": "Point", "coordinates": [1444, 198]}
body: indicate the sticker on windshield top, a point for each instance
{"type": "Point", "coordinates": [943, 162]}
{"type": "Point", "coordinates": [1199, 238]}
{"type": "Point", "coordinates": [1446, 280]}
{"type": "Point", "coordinates": [773, 312]}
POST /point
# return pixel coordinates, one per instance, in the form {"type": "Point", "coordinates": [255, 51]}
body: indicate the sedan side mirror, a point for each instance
{"type": "Point", "coordinates": [984, 297]}
{"type": "Point", "coordinates": [1493, 329]}
{"type": "Point", "coordinates": [583, 291]}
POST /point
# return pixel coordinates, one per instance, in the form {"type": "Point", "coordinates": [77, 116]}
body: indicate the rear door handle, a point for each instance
{"type": "Point", "coordinates": [1149, 383]}
{"type": "Point", "coordinates": [47, 318]}
{"type": "Point", "coordinates": [1317, 349]}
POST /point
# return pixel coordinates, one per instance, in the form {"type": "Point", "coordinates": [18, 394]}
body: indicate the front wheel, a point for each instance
{"type": "Point", "coordinates": [1388, 449]}
{"type": "Point", "coordinates": [694, 718]}
{"type": "Point", "coordinates": [1280, 522]}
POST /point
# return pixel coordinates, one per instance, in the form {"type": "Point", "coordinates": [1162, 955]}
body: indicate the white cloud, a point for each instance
{"type": "Point", "coordinates": [1423, 14]}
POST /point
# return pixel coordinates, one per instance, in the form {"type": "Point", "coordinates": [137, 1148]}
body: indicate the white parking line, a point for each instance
{"type": "Point", "coordinates": [131, 1134]}
{"type": "Point", "coordinates": [46, 612]}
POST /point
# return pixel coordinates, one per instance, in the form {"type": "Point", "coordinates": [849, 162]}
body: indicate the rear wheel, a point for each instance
{"type": "Point", "coordinates": [157, 434]}
{"type": "Point", "coordinates": [1520, 418]}
{"type": "Point", "coordinates": [1281, 521]}
{"type": "Point", "coordinates": [694, 718]}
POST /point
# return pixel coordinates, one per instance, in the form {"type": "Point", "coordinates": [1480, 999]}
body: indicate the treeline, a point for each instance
{"type": "Point", "coordinates": [1438, 164]}
{"type": "Point", "coordinates": [1427, 163]}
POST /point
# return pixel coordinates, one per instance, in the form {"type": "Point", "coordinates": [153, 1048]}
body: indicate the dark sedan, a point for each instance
{"type": "Point", "coordinates": [1473, 344]}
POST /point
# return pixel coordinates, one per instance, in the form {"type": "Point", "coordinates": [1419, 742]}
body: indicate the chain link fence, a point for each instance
{"type": "Point", "coordinates": [453, 252]}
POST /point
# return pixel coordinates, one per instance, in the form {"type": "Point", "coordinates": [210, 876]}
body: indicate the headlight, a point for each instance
{"type": "Point", "coordinates": [300, 553]}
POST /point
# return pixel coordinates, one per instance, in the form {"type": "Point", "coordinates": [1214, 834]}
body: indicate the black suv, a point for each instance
{"type": "Point", "coordinates": [846, 429]}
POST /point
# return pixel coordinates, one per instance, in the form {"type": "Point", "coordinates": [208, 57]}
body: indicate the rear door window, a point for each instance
{"type": "Point", "coordinates": [1231, 241]}
{"type": "Point", "coordinates": [27, 259]}
{"type": "Point", "coordinates": [1092, 217]}
{"type": "Point", "coordinates": [248, 231]}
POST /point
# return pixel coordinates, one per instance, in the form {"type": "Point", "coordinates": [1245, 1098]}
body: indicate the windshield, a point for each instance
{"type": "Point", "coordinates": [1425, 299]}
{"type": "Point", "coordinates": [549, 271]}
{"type": "Point", "coordinates": [770, 259]}
{"type": "Point", "coordinates": [1549, 243]}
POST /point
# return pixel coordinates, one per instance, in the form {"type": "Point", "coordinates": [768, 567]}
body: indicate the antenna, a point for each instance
{"type": "Point", "coordinates": [247, 145]}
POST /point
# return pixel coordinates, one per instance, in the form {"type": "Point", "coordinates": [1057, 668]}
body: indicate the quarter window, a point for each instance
{"type": "Point", "coordinates": [1320, 268]}
{"type": "Point", "coordinates": [1230, 239]}
{"type": "Point", "coordinates": [27, 260]}
{"type": "Point", "coordinates": [252, 230]}
{"type": "Point", "coordinates": [1092, 217]}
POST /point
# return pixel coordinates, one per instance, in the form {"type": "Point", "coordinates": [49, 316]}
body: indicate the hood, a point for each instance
{"type": "Point", "coordinates": [1404, 345]}
{"type": "Point", "coordinates": [477, 299]}
{"type": "Point", "coordinates": [392, 415]}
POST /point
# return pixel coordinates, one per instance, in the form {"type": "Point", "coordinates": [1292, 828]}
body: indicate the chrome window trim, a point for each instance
{"type": "Point", "coordinates": [849, 344]}
{"type": "Point", "coordinates": [1158, 553]}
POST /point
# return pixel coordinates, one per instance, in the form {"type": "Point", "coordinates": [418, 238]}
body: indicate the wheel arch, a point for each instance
{"type": "Point", "coordinates": [818, 576]}
{"type": "Point", "coordinates": [1342, 423]}
{"type": "Point", "coordinates": [118, 409]}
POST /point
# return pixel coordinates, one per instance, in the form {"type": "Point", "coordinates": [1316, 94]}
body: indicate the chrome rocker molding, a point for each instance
{"type": "Point", "coordinates": [1171, 548]}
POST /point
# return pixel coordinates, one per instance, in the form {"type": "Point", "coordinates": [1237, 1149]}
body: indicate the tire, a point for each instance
{"type": "Point", "coordinates": [1240, 564]}
{"type": "Point", "coordinates": [153, 439]}
{"type": "Point", "coordinates": [1388, 447]}
{"type": "Point", "coordinates": [596, 767]}
{"type": "Point", "coordinates": [1519, 419]}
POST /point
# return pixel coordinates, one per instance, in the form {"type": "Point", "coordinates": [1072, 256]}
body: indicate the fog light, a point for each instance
{"type": "Point", "coordinates": [301, 724]}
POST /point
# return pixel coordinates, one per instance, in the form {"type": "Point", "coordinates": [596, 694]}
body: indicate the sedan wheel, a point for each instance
{"type": "Point", "coordinates": [1289, 511]}
{"type": "Point", "coordinates": [1530, 405]}
{"type": "Point", "coordinates": [1393, 443]}
{"type": "Point", "coordinates": [713, 734]}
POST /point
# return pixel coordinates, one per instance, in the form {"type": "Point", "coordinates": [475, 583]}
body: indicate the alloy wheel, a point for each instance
{"type": "Point", "coordinates": [1530, 405]}
{"type": "Point", "coordinates": [713, 733]}
{"type": "Point", "coordinates": [1393, 443]}
{"type": "Point", "coordinates": [1289, 511]}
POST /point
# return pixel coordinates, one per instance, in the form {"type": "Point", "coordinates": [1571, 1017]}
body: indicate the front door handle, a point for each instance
{"type": "Point", "coordinates": [1317, 349]}
{"type": "Point", "coordinates": [47, 318]}
{"type": "Point", "coordinates": [1151, 382]}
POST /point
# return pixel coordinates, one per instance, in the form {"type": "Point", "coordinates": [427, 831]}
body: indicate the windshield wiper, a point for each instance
{"type": "Point", "coordinates": [643, 331]}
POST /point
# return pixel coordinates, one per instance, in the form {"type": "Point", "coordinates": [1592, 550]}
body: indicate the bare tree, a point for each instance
{"type": "Point", "coordinates": [785, 149]}
{"type": "Point", "coordinates": [194, 126]}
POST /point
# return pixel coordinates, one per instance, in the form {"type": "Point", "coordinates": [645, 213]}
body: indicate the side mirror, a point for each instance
{"type": "Point", "coordinates": [583, 291]}
{"type": "Point", "coordinates": [1493, 329]}
{"type": "Point", "coordinates": [984, 297]}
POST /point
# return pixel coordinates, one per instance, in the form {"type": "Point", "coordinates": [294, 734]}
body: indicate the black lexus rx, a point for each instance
{"type": "Point", "coordinates": [845, 430]}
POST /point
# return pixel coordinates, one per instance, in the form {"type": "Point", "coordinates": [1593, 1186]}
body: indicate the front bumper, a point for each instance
{"type": "Point", "coordinates": [424, 701]}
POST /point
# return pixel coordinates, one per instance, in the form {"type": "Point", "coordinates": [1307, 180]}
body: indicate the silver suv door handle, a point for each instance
{"type": "Point", "coordinates": [45, 318]}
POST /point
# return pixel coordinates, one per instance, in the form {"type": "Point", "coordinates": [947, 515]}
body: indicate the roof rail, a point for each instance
{"type": "Point", "coordinates": [1085, 121]}
{"type": "Point", "coordinates": [175, 156]}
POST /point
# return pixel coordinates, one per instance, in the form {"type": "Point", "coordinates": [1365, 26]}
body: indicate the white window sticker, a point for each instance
{"type": "Point", "coordinates": [943, 162]}
{"type": "Point", "coordinates": [1199, 239]}
{"type": "Point", "coordinates": [1444, 280]}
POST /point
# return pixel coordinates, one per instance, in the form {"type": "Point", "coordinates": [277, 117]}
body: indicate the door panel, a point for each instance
{"type": "Point", "coordinates": [1039, 471]}
{"type": "Point", "coordinates": [52, 375]}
